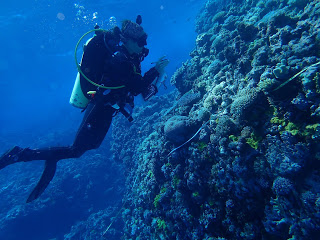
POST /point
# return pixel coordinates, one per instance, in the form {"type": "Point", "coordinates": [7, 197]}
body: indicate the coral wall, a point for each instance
{"type": "Point", "coordinates": [252, 172]}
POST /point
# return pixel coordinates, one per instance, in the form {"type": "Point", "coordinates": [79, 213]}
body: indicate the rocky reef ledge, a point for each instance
{"type": "Point", "coordinates": [251, 92]}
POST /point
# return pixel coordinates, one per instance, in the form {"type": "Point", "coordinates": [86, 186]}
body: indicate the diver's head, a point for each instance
{"type": "Point", "coordinates": [133, 36]}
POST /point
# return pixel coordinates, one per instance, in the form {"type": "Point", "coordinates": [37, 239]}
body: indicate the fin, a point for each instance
{"type": "Point", "coordinates": [11, 156]}
{"type": "Point", "coordinates": [47, 175]}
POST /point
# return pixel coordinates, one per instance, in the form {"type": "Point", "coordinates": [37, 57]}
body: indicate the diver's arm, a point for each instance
{"type": "Point", "coordinates": [155, 72]}
{"type": "Point", "coordinates": [134, 81]}
{"type": "Point", "coordinates": [149, 89]}
{"type": "Point", "coordinates": [150, 76]}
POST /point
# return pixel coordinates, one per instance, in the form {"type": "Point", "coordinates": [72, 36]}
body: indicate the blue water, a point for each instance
{"type": "Point", "coordinates": [37, 70]}
{"type": "Point", "coordinates": [37, 65]}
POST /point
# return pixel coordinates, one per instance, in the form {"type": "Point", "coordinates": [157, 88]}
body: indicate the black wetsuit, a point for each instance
{"type": "Point", "coordinates": [100, 67]}
{"type": "Point", "coordinates": [111, 68]}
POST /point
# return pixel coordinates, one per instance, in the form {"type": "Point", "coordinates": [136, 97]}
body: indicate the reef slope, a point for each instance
{"type": "Point", "coordinates": [252, 87]}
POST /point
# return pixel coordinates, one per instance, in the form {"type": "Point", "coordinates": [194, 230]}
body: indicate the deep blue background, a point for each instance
{"type": "Point", "coordinates": [37, 68]}
{"type": "Point", "coordinates": [37, 72]}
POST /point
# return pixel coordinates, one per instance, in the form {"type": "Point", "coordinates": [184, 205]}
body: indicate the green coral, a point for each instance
{"type": "Point", "coordinates": [176, 181]}
{"type": "Point", "coordinates": [161, 224]}
{"type": "Point", "coordinates": [298, 129]}
{"type": "Point", "coordinates": [156, 200]}
{"type": "Point", "coordinates": [233, 138]}
{"type": "Point", "coordinates": [292, 128]}
{"type": "Point", "coordinates": [150, 174]}
{"type": "Point", "coordinates": [195, 194]}
{"type": "Point", "coordinates": [312, 130]}
{"type": "Point", "coordinates": [163, 190]}
{"type": "Point", "coordinates": [202, 146]}
{"type": "Point", "coordinates": [253, 140]}
{"type": "Point", "coordinates": [278, 121]}
{"type": "Point", "coordinates": [158, 197]}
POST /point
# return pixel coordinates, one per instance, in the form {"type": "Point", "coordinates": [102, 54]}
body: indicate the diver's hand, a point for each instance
{"type": "Point", "coordinates": [161, 64]}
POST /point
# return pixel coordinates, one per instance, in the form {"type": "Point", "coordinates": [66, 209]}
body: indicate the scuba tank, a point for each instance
{"type": "Point", "coordinates": [83, 87]}
{"type": "Point", "coordinates": [78, 99]}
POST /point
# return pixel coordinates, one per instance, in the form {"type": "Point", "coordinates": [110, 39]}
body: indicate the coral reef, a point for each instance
{"type": "Point", "coordinates": [252, 170]}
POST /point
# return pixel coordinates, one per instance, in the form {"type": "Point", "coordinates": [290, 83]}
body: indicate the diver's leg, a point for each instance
{"type": "Point", "coordinates": [17, 154]}
{"type": "Point", "coordinates": [91, 133]}
{"type": "Point", "coordinates": [94, 127]}
{"type": "Point", "coordinates": [99, 119]}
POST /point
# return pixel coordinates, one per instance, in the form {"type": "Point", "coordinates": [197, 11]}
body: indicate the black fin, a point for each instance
{"type": "Point", "coordinates": [10, 157]}
{"type": "Point", "coordinates": [47, 175]}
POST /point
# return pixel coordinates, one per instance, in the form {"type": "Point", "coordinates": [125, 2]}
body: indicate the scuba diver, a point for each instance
{"type": "Point", "coordinates": [108, 80]}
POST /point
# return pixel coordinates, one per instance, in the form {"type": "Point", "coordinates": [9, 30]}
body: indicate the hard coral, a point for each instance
{"type": "Point", "coordinates": [282, 186]}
